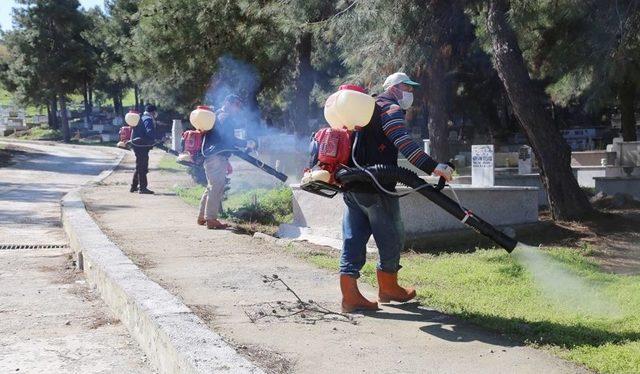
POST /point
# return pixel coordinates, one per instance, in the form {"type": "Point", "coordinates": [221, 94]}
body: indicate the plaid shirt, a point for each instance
{"type": "Point", "coordinates": [394, 127]}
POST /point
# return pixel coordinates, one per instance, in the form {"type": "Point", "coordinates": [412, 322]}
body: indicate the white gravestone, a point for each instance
{"type": "Point", "coordinates": [482, 163]}
{"type": "Point", "coordinates": [524, 160]}
{"type": "Point", "coordinates": [176, 135]}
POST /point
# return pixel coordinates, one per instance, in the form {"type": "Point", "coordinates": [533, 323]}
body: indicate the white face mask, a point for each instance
{"type": "Point", "coordinates": [406, 100]}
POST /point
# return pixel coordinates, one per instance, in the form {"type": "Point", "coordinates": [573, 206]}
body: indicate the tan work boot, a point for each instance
{"type": "Point", "coordinates": [352, 299]}
{"type": "Point", "coordinates": [389, 290]}
{"type": "Point", "coordinates": [201, 221]}
{"type": "Point", "coordinates": [214, 224]}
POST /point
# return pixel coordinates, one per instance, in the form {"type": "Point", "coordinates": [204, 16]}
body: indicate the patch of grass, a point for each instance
{"type": "Point", "coordinates": [263, 206]}
{"type": "Point", "coordinates": [191, 195]}
{"type": "Point", "coordinates": [42, 133]}
{"type": "Point", "coordinates": [169, 163]}
{"type": "Point", "coordinates": [261, 209]}
{"type": "Point", "coordinates": [491, 289]}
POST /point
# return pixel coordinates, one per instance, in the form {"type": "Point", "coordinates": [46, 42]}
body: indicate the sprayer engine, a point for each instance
{"type": "Point", "coordinates": [192, 142]}
{"type": "Point", "coordinates": [125, 136]}
{"type": "Point", "coordinates": [334, 149]}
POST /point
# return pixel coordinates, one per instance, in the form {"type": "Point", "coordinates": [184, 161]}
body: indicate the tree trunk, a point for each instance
{"type": "Point", "coordinates": [566, 200]}
{"type": "Point", "coordinates": [49, 115]}
{"type": "Point", "coordinates": [437, 103]}
{"type": "Point", "coordinates": [135, 95]}
{"type": "Point", "coordinates": [91, 96]}
{"type": "Point", "coordinates": [53, 113]}
{"type": "Point", "coordinates": [627, 97]}
{"type": "Point", "coordinates": [66, 135]}
{"type": "Point", "coordinates": [303, 85]}
{"type": "Point", "coordinates": [87, 105]}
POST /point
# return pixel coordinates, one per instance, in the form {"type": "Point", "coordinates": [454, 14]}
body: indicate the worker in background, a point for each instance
{"type": "Point", "coordinates": [143, 138]}
{"type": "Point", "coordinates": [369, 211]}
{"type": "Point", "coordinates": [216, 146]}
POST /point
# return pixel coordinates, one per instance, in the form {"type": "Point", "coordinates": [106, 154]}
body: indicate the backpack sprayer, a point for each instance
{"type": "Point", "coordinates": [203, 119]}
{"type": "Point", "coordinates": [347, 111]}
{"type": "Point", "coordinates": [132, 118]}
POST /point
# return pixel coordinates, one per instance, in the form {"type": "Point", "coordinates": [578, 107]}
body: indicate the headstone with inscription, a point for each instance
{"type": "Point", "coordinates": [482, 164]}
{"type": "Point", "coordinates": [524, 160]}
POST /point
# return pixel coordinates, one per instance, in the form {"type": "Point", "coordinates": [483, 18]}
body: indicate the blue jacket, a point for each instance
{"type": "Point", "coordinates": [146, 131]}
{"type": "Point", "coordinates": [222, 135]}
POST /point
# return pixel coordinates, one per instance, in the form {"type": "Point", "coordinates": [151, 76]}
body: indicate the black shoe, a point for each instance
{"type": "Point", "coordinates": [133, 189]}
{"type": "Point", "coordinates": [145, 191]}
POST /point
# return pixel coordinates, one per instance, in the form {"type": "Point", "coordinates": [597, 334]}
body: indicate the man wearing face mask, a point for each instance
{"type": "Point", "coordinates": [372, 212]}
{"type": "Point", "coordinates": [144, 136]}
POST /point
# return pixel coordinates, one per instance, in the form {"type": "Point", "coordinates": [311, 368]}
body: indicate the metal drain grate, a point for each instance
{"type": "Point", "coordinates": [8, 247]}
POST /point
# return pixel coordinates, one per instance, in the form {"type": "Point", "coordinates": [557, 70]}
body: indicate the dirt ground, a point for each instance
{"type": "Point", "coordinates": [233, 282]}
{"type": "Point", "coordinates": [611, 236]}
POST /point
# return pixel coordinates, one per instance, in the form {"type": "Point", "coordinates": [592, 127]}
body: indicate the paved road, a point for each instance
{"type": "Point", "coordinates": [52, 322]}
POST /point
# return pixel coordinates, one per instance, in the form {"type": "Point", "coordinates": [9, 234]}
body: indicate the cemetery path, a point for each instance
{"type": "Point", "coordinates": [52, 322]}
{"type": "Point", "coordinates": [220, 276]}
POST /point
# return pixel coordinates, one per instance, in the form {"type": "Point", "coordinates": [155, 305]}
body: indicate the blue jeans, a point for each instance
{"type": "Point", "coordinates": [367, 214]}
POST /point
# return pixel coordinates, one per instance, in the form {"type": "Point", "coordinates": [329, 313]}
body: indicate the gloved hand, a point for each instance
{"type": "Point", "coordinates": [251, 144]}
{"type": "Point", "coordinates": [445, 171]}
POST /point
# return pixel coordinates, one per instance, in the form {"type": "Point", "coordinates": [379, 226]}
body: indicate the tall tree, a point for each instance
{"type": "Point", "coordinates": [566, 199]}
{"type": "Point", "coordinates": [589, 50]}
{"type": "Point", "coordinates": [426, 39]}
{"type": "Point", "coordinates": [303, 22]}
{"type": "Point", "coordinates": [50, 57]}
{"type": "Point", "coordinates": [179, 44]}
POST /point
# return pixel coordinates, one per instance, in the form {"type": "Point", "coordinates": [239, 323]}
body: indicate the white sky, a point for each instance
{"type": "Point", "coordinates": [7, 5]}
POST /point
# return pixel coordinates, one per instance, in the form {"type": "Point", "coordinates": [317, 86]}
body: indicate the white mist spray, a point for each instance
{"type": "Point", "coordinates": [564, 288]}
{"type": "Point", "coordinates": [275, 147]}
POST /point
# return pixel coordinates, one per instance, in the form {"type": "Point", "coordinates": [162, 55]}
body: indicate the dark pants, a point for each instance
{"type": "Point", "coordinates": [369, 214]}
{"type": "Point", "coordinates": [142, 168]}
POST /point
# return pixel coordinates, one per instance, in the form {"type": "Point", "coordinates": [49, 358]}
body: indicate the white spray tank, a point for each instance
{"type": "Point", "coordinates": [132, 118]}
{"type": "Point", "coordinates": [349, 108]}
{"type": "Point", "coordinates": [203, 118]}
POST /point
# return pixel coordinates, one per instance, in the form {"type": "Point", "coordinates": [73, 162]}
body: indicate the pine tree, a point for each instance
{"type": "Point", "coordinates": [426, 39]}
{"type": "Point", "coordinates": [50, 57]}
{"type": "Point", "coordinates": [566, 199]}
{"type": "Point", "coordinates": [589, 50]}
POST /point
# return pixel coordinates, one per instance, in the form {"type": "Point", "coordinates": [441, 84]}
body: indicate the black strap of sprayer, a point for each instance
{"type": "Point", "coordinates": [393, 174]}
{"type": "Point", "coordinates": [136, 142]}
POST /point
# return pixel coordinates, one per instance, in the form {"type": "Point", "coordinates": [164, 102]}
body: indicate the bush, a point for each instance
{"type": "Point", "coordinates": [42, 133]}
{"type": "Point", "coordinates": [267, 207]}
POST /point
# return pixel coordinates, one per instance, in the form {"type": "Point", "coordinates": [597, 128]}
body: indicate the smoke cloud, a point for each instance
{"type": "Point", "coordinates": [286, 152]}
{"type": "Point", "coordinates": [564, 288]}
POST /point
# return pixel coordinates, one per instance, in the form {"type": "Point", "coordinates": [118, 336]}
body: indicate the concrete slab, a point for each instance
{"type": "Point", "coordinates": [319, 220]}
{"type": "Point", "coordinates": [174, 338]}
{"type": "Point", "coordinates": [614, 185]}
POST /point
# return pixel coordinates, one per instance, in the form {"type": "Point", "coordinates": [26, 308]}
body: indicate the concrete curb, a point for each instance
{"type": "Point", "coordinates": [173, 337]}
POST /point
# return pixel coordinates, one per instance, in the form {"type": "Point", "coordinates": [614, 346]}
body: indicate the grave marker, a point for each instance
{"type": "Point", "coordinates": [524, 160]}
{"type": "Point", "coordinates": [482, 164]}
